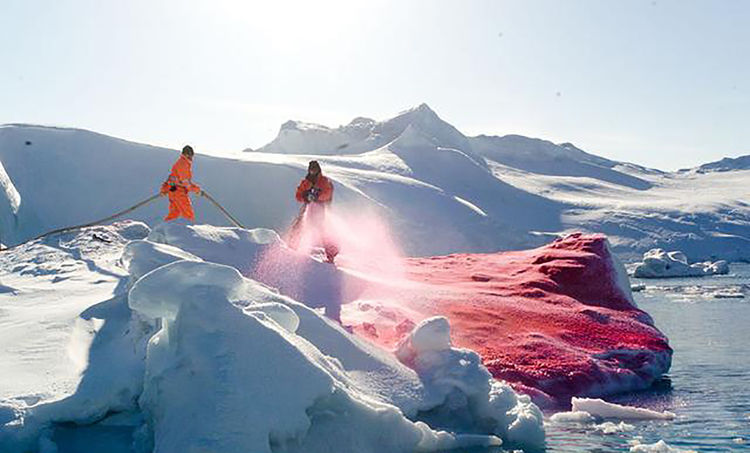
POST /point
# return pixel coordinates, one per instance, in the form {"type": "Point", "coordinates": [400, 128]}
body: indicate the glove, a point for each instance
{"type": "Point", "coordinates": [313, 194]}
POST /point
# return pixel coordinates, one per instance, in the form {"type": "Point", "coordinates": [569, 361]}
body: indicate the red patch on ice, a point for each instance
{"type": "Point", "coordinates": [552, 321]}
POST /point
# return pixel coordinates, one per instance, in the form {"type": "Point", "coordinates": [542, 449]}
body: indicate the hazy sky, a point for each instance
{"type": "Point", "coordinates": [661, 83]}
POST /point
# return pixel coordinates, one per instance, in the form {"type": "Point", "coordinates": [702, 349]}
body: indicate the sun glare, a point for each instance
{"type": "Point", "coordinates": [293, 24]}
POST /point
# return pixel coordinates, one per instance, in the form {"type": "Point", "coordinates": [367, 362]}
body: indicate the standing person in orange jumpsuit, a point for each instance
{"type": "Point", "coordinates": [178, 185]}
{"type": "Point", "coordinates": [316, 191]}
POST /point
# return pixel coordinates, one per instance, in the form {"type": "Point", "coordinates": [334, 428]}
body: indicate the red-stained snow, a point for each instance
{"type": "Point", "coordinates": [555, 322]}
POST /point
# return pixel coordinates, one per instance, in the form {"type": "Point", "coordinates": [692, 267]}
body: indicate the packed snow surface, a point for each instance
{"type": "Point", "coordinates": [658, 263]}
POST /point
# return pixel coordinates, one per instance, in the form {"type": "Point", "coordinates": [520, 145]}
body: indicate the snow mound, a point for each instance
{"type": "Point", "coordinates": [658, 263]}
{"type": "Point", "coordinates": [432, 334]}
{"type": "Point", "coordinates": [254, 385]}
{"type": "Point", "coordinates": [234, 247]}
{"type": "Point", "coordinates": [262, 255]}
{"type": "Point", "coordinates": [462, 382]}
{"type": "Point", "coordinates": [141, 257]}
{"type": "Point", "coordinates": [600, 408]}
{"type": "Point", "coordinates": [377, 372]}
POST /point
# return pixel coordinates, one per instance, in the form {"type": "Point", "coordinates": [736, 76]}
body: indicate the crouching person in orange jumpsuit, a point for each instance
{"type": "Point", "coordinates": [178, 185]}
{"type": "Point", "coordinates": [317, 192]}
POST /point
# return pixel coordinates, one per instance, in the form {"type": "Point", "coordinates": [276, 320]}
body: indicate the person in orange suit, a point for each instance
{"type": "Point", "coordinates": [316, 191]}
{"type": "Point", "coordinates": [178, 185]}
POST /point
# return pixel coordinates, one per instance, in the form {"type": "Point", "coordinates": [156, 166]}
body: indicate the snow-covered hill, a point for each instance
{"type": "Point", "coordinates": [439, 190]}
{"type": "Point", "coordinates": [726, 164]}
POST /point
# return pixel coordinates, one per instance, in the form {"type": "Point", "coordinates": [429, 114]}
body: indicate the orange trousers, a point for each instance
{"type": "Point", "coordinates": [180, 206]}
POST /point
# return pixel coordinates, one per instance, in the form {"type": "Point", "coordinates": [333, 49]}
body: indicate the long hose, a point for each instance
{"type": "Point", "coordinates": [229, 216]}
{"type": "Point", "coordinates": [122, 213]}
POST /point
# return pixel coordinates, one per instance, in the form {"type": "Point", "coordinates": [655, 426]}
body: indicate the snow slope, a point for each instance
{"type": "Point", "coordinates": [257, 188]}
{"type": "Point", "coordinates": [439, 190]}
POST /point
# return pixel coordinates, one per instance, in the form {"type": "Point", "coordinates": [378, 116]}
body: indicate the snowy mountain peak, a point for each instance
{"type": "Point", "coordinates": [365, 134]}
{"type": "Point", "coordinates": [422, 110]}
{"type": "Point", "coordinates": [300, 125]}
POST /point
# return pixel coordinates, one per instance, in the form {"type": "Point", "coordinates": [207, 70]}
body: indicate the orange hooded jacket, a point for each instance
{"type": "Point", "coordinates": [177, 186]}
{"type": "Point", "coordinates": [322, 183]}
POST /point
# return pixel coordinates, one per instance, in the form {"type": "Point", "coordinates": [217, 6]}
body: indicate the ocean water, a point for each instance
{"type": "Point", "coordinates": [708, 386]}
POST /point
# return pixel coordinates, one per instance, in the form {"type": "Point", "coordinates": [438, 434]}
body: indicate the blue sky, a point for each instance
{"type": "Point", "coordinates": [660, 83]}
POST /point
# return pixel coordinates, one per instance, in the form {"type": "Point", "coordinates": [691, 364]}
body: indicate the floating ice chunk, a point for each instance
{"type": "Point", "coordinates": [585, 418]}
{"type": "Point", "coordinates": [658, 447]}
{"type": "Point", "coordinates": [637, 288]}
{"type": "Point", "coordinates": [600, 408]}
{"type": "Point", "coordinates": [658, 263]}
{"type": "Point", "coordinates": [729, 294]}
{"type": "Point", "coordinates": [613, 428]}
{"type": "Point", "coordinates": [718, 268]}
{"type": "Point", "coordinates": [572, 417]}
